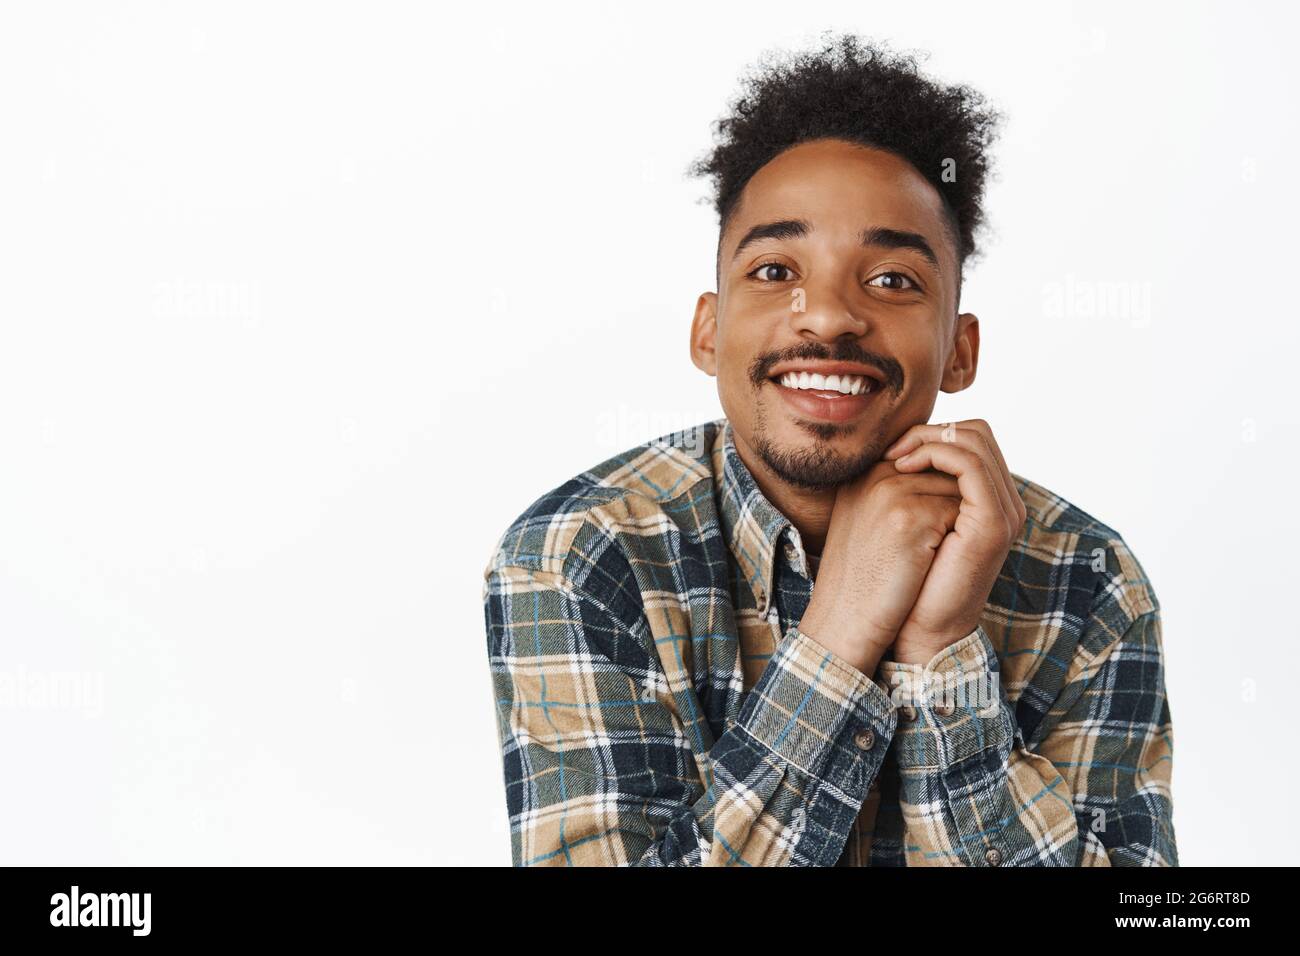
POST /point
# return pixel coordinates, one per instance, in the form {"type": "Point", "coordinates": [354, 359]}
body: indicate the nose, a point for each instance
{"type": "Point", "coordinates": [823, 313]}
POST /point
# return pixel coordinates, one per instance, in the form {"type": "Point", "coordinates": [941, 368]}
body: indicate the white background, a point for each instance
{"type": "Point", "coordinates": [302, 304]}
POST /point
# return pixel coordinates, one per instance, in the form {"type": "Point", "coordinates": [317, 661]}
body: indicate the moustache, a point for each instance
{"type": "Point", "coordinates": [845, 351]}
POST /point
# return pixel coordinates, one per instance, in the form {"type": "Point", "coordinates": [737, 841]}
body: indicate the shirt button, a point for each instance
{"type": "Point", "coordinates": [993, 856]}
{"type": "Point", "coordinates": [865, 739]}
{"type": "Point", "coordinates": [943, 710]}
{"type": "Point", "coordinates": [907, 712]}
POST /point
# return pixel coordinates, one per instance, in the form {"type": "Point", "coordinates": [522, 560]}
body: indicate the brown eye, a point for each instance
{"type": "Point", "coordinates": [897, 281]}
{"type": "Point", "coordinates": [764, 273]}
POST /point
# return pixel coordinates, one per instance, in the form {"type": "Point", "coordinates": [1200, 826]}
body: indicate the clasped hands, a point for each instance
{"type": "Point", "coordinates": [915, 546]}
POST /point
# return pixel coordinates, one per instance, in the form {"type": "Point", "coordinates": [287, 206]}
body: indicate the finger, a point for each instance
{"type": "Point", "coordinates": [929, 483]}
{"type": "Point", "coordinates": [914, 436]}
{"type": "Point", "coordinates": [976, 484]}
{"type": "Point", "coordinates": [1007, 493]}
{"type": "Point", "coordinates": [941, 511]}
{"type": "Point", "coordinates": [926, 482]}
{"type": "Point", "coordinates": [953, 432]}
{"type": "Point", "coordinates": [983, 427]}
{"type": "Point", "coordinates": [975, 440]}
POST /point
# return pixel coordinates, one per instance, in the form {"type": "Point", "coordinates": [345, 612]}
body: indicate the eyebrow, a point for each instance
{"type": "Point", "coordinates": [875, 236]}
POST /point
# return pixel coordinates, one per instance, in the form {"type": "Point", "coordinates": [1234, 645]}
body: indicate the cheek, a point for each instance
{"type": "Point", "coordinates": [734, 358]}
{"type": "Point", "coordinates": [735, 393]}
{"type": "Point", "coordinates": [924, 364]}
{"type": "Point", "coordinates": [923, 371]}
{"type": "Point", "coordinates": [735, 390]}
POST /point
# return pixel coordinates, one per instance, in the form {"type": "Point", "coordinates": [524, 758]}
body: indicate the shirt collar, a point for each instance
{"type": "Point", "coordinates": [750, 523]}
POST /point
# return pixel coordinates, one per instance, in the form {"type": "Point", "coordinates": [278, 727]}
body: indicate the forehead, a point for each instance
{"type": "Point", "coordinates": [842, 188]}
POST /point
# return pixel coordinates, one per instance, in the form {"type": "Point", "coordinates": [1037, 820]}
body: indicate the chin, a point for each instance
{"type": "Point", "coordinates": [843, 437]}
{"type": "Point", "coordinates": [819, 464]}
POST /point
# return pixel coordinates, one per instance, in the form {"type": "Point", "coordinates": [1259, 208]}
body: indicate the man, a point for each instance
{"type": "Point", "coordinates": [976, 676]}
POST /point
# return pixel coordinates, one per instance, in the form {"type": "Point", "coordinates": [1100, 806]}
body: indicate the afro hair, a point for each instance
{"type": "Point", "coordinates": [854, 90]}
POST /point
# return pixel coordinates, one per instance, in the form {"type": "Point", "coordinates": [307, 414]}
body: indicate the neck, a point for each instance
{"type": "Point", "coordinates": [809, 511]}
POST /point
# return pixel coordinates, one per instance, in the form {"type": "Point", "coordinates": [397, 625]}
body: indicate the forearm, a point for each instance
{"type": "Point", "coordinates": [787, 780]}
{"type": "Point", "coordinates": [971, 796]}
{"type": "Point", "coordinates": [606, 765]}
{"type": "Point", "coordinates": [825, 727]}
{"type": "Point", "coordinates": [973, 793]}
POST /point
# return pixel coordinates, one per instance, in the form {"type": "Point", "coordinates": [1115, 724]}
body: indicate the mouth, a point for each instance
{"type": "Point", "coordinates": [828, 393]}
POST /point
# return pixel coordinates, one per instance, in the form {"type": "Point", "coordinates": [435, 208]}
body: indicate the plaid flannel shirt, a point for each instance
{"type": "Point", "coordinates": [658, 705]}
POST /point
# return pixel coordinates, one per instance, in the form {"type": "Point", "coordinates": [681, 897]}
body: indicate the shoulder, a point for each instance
{"type": "Point", "coordinates": [630, 501]}
{"type": "Point", "coordinates": [1071, 547]}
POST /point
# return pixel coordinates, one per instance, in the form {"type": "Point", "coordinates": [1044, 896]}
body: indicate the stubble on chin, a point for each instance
{"type": "Point", "coordinates": [816, 466]}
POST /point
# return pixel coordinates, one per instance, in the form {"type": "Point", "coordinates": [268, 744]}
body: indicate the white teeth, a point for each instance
{"type": "Point", "coordinates": [844, 384]}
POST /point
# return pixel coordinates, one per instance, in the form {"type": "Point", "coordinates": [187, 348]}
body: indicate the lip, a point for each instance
{"type": "Point", "coordinates": [823, 367]}
{"type": "Point", "coordinates": [827, 406]}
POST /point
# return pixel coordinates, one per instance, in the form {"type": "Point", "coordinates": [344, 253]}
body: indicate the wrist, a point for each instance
{"type": "Point", "coordinates": [912, 654]}
{"type": "Point", "coordinates": [919, 648]}
{"type": "Point", "coordinates": [861, 644]}
{"type": "Point", "coordinates": [864, 657]}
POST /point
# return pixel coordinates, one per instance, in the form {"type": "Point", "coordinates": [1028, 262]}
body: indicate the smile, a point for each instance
{"type": "Point", "coordinates": [814, 382]}
{"type": "Point", "coordinates": [827, 394]}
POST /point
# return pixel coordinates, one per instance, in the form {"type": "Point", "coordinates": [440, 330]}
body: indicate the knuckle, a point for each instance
{"type": "Point", "coordinates": [893, 485]}
{"type": "Point", "coordinates": [901, 518]}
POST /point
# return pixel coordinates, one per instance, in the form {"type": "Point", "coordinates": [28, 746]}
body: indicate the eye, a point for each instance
{"type": "Point", "coordinates": [895, 283]}
{"type": "Point", "coordinates": [765, 271]}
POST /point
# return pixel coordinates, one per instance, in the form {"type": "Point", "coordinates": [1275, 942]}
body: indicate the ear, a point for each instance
{"type": "Point", "coordinates": [959, 372]}
{"type": "Point", "coordinates": [704, 330]}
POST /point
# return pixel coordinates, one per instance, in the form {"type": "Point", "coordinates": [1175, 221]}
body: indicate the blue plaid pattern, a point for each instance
{"type": "Point", "coordinates": [658, 705]}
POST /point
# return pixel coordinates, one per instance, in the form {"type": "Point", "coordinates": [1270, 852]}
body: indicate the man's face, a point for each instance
{"type": "Point", "coordinates": [834, 325]}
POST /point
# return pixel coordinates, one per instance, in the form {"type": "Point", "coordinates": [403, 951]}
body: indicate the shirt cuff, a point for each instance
{"type": "Point", "coordinates": [953, 710]}
{"type": "Point", "coordinates": [818, 712]}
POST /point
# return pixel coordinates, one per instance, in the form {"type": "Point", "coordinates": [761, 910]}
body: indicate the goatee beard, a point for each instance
{"type": "Point", "coordinates": [817, 468]}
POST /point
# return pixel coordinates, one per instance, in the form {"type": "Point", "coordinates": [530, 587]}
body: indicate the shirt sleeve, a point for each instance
{"type": "Point", "coordinates": [606, 765]}
{"type": "Point", "coordinates": [1093, 791]}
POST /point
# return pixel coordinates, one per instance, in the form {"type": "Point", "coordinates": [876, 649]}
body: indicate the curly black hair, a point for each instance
{"type": "Point", "coordinates": [857, 90]}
